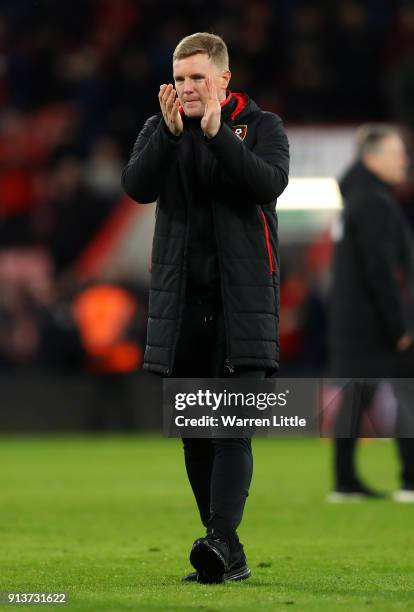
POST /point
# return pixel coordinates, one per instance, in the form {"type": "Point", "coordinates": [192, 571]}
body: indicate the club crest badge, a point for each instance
{"type": "Point", "coordinates": [240, 131]}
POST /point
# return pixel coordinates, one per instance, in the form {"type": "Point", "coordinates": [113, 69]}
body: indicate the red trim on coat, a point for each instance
{"type": "Point", "coordinates": [272, 266]}
{"type": "Point", "coordinates": [242, 100]}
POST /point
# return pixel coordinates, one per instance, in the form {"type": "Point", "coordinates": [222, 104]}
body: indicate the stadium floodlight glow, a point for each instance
{"type": "Point", "coordinates": [310, 194]}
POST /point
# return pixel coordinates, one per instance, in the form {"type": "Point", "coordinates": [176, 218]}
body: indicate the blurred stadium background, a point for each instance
{"type": "Point", "coordinates": [77, 81]}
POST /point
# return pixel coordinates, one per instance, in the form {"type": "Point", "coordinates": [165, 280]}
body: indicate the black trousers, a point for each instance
{"type": "Point", "coordinates": [219, 470]}
{"type": "Point", "coordinates": [356, 400]}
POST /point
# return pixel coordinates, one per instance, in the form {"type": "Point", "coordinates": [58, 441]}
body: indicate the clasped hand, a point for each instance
{"type": "Point", "coordinates": [211, 119]}
{"type": "Point", "coordinates": [169, 107]}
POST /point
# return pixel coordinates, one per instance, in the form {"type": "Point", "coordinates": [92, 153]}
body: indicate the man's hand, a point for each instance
{"type": "Point", "coordinates": [404, 342]}
{"type": "Point", "coordinates": [169, 107]}
{"type": "Point", "coordinates": [210, 122]}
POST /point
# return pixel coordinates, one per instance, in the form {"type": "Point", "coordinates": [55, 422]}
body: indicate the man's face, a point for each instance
{"type": "Point", "coordinates": [391, 161]}
{"type": "Point", "coordinates": [189, 77]}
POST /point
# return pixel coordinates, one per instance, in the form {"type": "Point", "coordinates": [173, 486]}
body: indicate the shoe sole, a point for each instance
{"type": "Point", "coordinates": [403, 497]}
{"type": "Point", "coordinates": [338, 498]}
{"type": "Point", "coordinates": [208, 562]}
{"type": "Point", "coordinates": [242, 573]}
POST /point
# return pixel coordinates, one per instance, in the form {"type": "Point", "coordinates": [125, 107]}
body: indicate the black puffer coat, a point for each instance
{"type": "Point", "coordinates": [247, 166]}
{"type": "Point", "coordinates": [372, 296]}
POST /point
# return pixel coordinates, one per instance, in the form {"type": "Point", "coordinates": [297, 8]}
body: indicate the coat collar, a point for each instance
{"type": "Point", "coordinates": [232, 106]}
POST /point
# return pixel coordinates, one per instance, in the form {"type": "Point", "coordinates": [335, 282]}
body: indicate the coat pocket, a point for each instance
{"type": "Point", "coordinates": [272, 264]}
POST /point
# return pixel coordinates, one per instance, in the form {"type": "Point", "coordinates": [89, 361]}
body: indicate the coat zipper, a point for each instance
{"type": "Point", "coordinates": [272, 266]}
{"type": "Point", "coordinates": [228, 365]}
{"type": "Point", "coordinates": [183, 280]}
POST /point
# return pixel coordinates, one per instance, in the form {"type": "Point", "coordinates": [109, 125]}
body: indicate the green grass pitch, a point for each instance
{"type": "Point", "coordinates": [110, 520]}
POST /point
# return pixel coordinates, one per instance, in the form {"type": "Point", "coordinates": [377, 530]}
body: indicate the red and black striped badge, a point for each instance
{"type": "Point", "coordinates": [240, 131]}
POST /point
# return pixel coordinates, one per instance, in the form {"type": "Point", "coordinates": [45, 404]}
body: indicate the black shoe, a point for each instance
{"type": "Point", "coordinates": [210, 556]}
{"type": "Point", "coordinates": [237, 565]}
{"type": "Point", "coordinates": [356, 491]}
{"type": "Point", "coordinates": [238, 569]}
{"type": "Point", "coordinates": [241, 572]}
{"type": "Point", "coordinates": [192, 577]}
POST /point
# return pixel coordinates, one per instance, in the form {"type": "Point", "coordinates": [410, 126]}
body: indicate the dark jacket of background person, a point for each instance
{"type": "Point", "coordinates": [244, 180]}
{"type": "Point", "coordinates": [372, 280]}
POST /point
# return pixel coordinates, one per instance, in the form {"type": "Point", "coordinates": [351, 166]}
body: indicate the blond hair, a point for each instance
{"type": "Point", "coordinates": [203, 42]}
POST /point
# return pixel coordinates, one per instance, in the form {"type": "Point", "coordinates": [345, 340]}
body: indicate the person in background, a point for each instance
{"type": "Point", "coordinates": [372, 303]}
{"type": "Point", "coordinates": [105, 315]}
